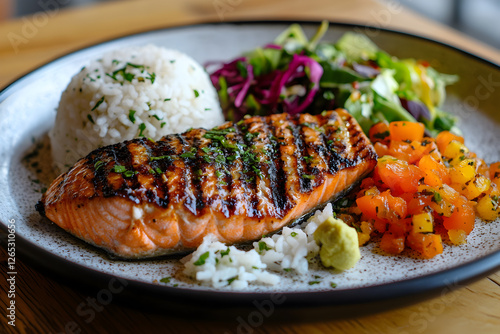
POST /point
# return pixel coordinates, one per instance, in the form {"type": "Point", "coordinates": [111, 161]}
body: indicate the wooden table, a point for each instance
{"type": "Point", "coordinates": [46, 306]}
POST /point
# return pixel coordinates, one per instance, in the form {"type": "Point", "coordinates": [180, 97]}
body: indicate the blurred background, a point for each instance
{"type": "Point", "coordinates": [476, 18]}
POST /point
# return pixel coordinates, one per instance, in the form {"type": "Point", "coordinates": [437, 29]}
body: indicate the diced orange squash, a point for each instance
{"type": "Point", "coordinates": [400, 227]}
{"type": "Point", "coordinates": [383, 206]}
{"type": "Point", "coordinates": [392, 244]}
{"type": "Point", "coordinates": [482, 167]}
{"type": "Point", "coordinates": [370, 205]}
{"type": "Point", "coordinates": [436, 172]}
{"type": "Point", "coordinates": [445, 137]}
{"type": "Point", "coordinates": [410, 152]}
{"type": "Point", "coordinates": [442, 198]}
{"type": "Point", "coordinates": [402, 131]}
{"type": "Point", "coordinates": [428, 245]}
{"type": "Point", "coordinates": [398, 175]}
{"type": "Point", "coordinates": [457, 237]}
{"type": "Point", "coordinates": [417, 203]}
{"type": "Point", "coordinates": [495, 173]}
{"type": "Point", "coordinates": [381, 149]}
{"type": "Point", "coordinates": [372, 191]}
{"type": "Point", "coordinates": [474, 188]}
{"type": "Point", "coordinates": [366, 230]}
{"type": "Point", "coordinates": [379, 132]}
{"type": "Point", "coordinates": [462, 218]}
{"type": "Point", "coordinates": [380, 225]}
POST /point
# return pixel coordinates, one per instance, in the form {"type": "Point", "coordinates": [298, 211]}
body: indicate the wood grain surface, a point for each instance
{"type": "Point", "coordinates": [45, 305]}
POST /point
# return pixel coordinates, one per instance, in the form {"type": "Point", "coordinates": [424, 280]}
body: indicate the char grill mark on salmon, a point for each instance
{"type": "Point", "coordinates": [238, 181]}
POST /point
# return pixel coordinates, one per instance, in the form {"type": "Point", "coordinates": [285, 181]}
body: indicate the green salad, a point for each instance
{"type": "Point", "coordinates": [295, 74]}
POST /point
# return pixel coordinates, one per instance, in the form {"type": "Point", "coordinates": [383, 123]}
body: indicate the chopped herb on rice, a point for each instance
{"type": "Point", "coordinates": [129, 93]}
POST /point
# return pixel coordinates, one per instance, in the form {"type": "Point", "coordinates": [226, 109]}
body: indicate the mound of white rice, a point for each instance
{"type": "Point", "coordinates": [135, 91]}
{"type": "Point", "coordinates": [218, 265]}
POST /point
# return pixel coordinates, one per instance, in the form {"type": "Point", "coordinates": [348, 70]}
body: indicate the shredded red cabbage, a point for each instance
{"type": "Point", "coordinates": [289, 90]}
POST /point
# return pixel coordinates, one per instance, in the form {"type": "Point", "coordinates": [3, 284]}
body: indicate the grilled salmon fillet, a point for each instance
{"type": "Point", "coordinates": [239, 181]}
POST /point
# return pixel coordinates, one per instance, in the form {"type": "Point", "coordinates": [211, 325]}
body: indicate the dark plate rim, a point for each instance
{"type": "Point", "coordinates": [400, 292]}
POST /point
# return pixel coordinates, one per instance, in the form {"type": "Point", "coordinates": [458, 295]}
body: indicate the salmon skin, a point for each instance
{"type": "Point", "coordinates": [238, 181]}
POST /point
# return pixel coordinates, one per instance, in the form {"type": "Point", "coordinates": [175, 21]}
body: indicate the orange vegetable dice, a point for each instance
{"type": "Point", "coordinates": [495, 173]}
{"type": "Point", "coordinates": [416, 203]}
{"type": "Point", "coordinates": [445, 137]}
{"type": "Point", "coordinates": [410, 152]}
{"type": "Point", "coordinates": [400, 226]}
{"type": "Point", "coordinates": [427, 245]}
{"type": "Point", "coordinates": [457, 237]}
{"type": "Point", "coordinates": [379, 132]}
{"type": "Point", "coordinates": [436, 172]}
{"type": "Point", "coordinates": [403, 130]}
{"type": "Point", "coordinates": [383, 207]}
{"type": "Point", "coordinates": [462, 218]}
{"type": "Point", "coordinates": [392, 244]}
{"type": "Point", "coordinates": [398, 175]}
{"type": "Point", "coordinates": [381, 149]}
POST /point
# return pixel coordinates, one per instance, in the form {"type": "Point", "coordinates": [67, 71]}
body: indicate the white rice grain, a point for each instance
{"type": "Point", "coordinates": [167, 91]}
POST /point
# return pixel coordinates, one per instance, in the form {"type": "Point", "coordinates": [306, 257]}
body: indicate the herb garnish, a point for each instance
{"type": "Point", "coordinates": [123, 170]}
{"type": "Point", "coordinates": [436, 197]}
{"type": "Point", "coordinates": [223, 253]}
{"type": "Point", "coordinates": [142, 127]}
{"type": "Point", "coordinates": [202, 259]}
{"type": "Point", "coordinates": [131, 115]}
{"type": "Point", "coordinates": [127, 76]}
{"type": "Point", "coordinates": [98, 104]}
{"type": "Point", "coordinates": [129, 173]}
{"type": "Point", "coordinates": [191, 154]}
{"type": "Point", "coordinates": [118, 169]}
{"type": "Point", "coordinates": [98, 165]}
{"type": "Point", "coordinates": [160, 157]}
{"type": "Point", "coordinates": [165, 280]}
{"type": "Point", "coordinates": [307, 158]}
{"type": "Point", "coordinates": [263, 246]}
{"type": "Point", "coordinates": [231, 280]}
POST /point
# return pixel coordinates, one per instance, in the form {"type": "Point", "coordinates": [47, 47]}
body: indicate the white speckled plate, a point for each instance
{"type": "Point", "coordinates": [27, 112]}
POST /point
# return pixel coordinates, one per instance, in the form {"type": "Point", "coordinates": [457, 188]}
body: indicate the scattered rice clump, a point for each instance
{"type": "Point", "coordinates": [141, 91]}
{"type": "Point", "coordinates": [218, 265]}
